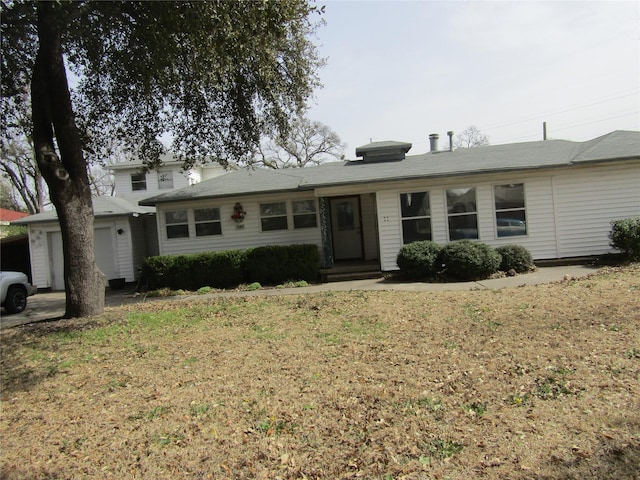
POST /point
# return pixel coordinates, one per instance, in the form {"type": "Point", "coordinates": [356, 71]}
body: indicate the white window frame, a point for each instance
{"type": "Point", "coordinates": [138, 182]}
{"type": "Point", "coordinates": [165, 180]}
{"type": "Point", "coordinates": [416, 217]}
{"type": "Point", "coordinates": [306, 214]}
{"type": "Point", "coordinates": [197, 222]}
{"type": "Point", "coordinates": [465, 213]}
{"type": "Point", "coordinates": [523, 209]}
{"type": "Point", "coordinates": [167, 225]}
{"type": "Point", "coordinates": [279, 215]}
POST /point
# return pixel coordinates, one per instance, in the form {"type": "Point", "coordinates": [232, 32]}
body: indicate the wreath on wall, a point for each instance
{"type": "Point", "coordinates": [238, 213]}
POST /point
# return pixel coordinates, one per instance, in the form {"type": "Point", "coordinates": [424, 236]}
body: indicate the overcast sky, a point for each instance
{"type": "Point", "coordinates": [399, 70]}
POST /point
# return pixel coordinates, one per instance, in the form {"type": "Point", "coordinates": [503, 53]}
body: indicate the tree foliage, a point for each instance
{"type": "Point", "coordinates": [307, 143]}
{"type": "Point", "coordinates": [471, 137]}
{"type": "Point", "coordinates": [214, 75]}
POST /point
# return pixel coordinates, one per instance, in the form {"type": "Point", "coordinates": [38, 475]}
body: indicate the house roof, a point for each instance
{"type": "Point", "coordinates": [103, 207]}
{"type": "Point", "coordinates": [618, 145]}
{"type": "Point", "coordinates": [10, 215]}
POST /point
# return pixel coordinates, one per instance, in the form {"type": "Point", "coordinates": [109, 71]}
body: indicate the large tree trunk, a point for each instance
{"type": "Point", "coordinates": [66, 174]}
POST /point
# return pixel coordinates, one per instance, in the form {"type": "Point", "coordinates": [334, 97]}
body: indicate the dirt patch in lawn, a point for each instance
{"type": "Point", "coordinates": [530, 382]}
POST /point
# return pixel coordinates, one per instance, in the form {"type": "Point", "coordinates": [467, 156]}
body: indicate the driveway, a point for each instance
{"type": "Point", "coordinates": [51, 305]}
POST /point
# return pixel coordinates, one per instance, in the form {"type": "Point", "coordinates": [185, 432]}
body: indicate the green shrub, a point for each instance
{"type": "Point", "coordinates": [467, 260]}
{"type": "Point", "coordinates": [275, 264]}
{"type": "Point", "coordinates": [625, 236]}
{"type": "Point", "coordinates": [515, 257]}
{"type": "Point", "coordinates": [190, 272]}
{"type": "Point", "coordinates": [418, 260]}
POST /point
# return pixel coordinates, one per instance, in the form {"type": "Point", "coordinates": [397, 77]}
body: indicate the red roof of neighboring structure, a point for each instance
{"type": "Point", "coordinates": [10, 215]}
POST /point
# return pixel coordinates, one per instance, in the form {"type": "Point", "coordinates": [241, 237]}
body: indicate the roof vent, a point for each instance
{"type": "Point", "coordinates": [433, 142]}
{"type": "Point", "coordinates": [383, 151]}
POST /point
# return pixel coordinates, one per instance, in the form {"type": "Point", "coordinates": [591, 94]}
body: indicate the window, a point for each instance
{"type": "Point", "coordinates": [462, 213]}
{"type": "Point", "coordinates": [165, 180]}
{"type": "Point", "coordinates": [177, 224]}
{"type": "Point", "coordinates": [416, 216]}
{"type": "Point", "coordinates": [207, 222]}
{"type": "Point", "coordinates": [138, 181]}
{"type": "Point", "coordinates": [304, 214]}
{"type": "Point", "coordinates": [273, 216]}
{"type": "Point", "coordinates": [511, 219]}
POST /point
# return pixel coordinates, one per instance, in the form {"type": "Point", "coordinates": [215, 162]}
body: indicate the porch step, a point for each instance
{"type": "Point", "coordinates": [347, 276]}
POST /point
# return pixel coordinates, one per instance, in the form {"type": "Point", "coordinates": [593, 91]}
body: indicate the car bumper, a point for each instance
{"type": "Point", "coordinates": [31, 289]}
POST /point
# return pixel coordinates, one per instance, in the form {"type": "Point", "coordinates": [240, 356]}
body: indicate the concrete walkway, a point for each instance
{"type": "Point", "coordinates": [50, 305]}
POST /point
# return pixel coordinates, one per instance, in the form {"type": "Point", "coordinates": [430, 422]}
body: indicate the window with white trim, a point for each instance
{"type": "Point", "coordinates": [273, 216]}
{"type": "Point", "coordinates": [416, 216]}
{"type": "Point", "coordinates": [207, 221]}
{"type": "Point", "coordinates": [177, 223]}
{"type": "Point", "coordinates": [462, 213]}
{"type": "Point", "coordinates": [165, 180]}
{"type": "Point", "coordinates": [511, 217]}
{"type": "Point", "coordinates": [138, 181]}
{"type": "Point", "coordinates": [304, 213]}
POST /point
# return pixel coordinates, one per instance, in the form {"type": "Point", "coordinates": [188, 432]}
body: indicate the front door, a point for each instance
{"type": "Point", "coordinates": [346, 229]}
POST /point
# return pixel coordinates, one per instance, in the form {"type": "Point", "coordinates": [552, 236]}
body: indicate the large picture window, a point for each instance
{"type": "Point", "coordinates": [304, 214]}
{"type": "Point", "coordinates": [416, 216]}
{"type": "Point", "coordinates": [138, 181]}
{"type": "Point", "coordinates": [207, 221]}
{"type": "Point", "coordinates": [273, 216]}
{"type": "Point", "coordinates": [462, 213]}
{"type": "Point", "coordinates": [177, 222]}
{"type": "Point", "coordinates": [511, 219]}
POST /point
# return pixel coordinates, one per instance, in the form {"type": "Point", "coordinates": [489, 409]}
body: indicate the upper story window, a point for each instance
{"type": "Point", "coordinates": [207, 221]}
{"type": "Point", "coordinates": [138, 181]}
{"type": "Point", "coordinates": [511, 218]}
{"type": "Point", "coordinates": [462, 213]}
{"type": "Point", "coordinates": [304, 214]}
{"type": "Point", "coordinates": [165, 180]}
{"type": "Point", "coordinates": [273, 216]}
{"type": "Point", "coordinates": [416, 216]}
{"type": "Point", "coordinates": [177, 223]}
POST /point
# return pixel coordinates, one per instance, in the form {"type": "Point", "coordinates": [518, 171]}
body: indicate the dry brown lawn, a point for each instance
{"type": "Point", "coordinates": [531, 382]}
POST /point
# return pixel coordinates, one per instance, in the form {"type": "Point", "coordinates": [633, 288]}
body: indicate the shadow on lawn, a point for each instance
{"type": "Point", "coordinates": [614, 459]}
{"type": "Point", "coordinates": [28, 356]}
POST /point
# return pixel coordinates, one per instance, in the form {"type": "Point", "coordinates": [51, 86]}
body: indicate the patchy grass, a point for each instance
{"type": "Point", "coordinates": [523, 383]}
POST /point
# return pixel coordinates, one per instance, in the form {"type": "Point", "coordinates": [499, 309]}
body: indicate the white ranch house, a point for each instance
{"type": "Point", "coordinates": [556, 197]}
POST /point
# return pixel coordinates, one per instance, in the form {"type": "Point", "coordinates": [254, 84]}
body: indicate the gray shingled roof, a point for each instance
{"type": "Point", "coordinates": [102, 206]}
{"type": "Point", "coordinates": [499, 158]}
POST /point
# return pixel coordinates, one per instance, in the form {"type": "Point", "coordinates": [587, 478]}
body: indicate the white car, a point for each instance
{"type": "Point", "coordinates": [14, 290]}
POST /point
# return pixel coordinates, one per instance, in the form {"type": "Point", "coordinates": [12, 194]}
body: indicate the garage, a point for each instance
{"type": "Point", "coordinates": [104, 251]}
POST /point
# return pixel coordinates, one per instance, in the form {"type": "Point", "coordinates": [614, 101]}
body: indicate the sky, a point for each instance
{"type": "Point", "coordinates": [401, 70]}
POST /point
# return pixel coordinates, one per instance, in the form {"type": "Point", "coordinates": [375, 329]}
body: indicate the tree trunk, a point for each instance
{"type": "Point", "coordinates": [65, 174]}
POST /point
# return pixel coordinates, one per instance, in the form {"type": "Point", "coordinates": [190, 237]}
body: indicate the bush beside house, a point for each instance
{"type": "Point", "coordinates": [267, 265]}
{"type": "Point", "coordinates": [625, 236]}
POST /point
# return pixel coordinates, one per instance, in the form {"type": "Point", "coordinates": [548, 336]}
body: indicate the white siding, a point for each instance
{"type": "Point", "coordinates": [38, 248]}
{"type": "Point", "coordinates": [390, 229]}
{"type": "Point", "coordinates": [122, 180]}
{"type": "Point", "coordinates": [232, 238]}
{"type": "Point", "coordinates": [578, 203]}
{"type": "Point", "coordinates": [587, 202]}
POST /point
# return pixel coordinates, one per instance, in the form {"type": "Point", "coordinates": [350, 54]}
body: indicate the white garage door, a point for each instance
{"type": "Point", "coordinates": [103, 251]}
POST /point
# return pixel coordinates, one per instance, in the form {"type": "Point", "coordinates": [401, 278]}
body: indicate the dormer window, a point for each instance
{"type": "Point", "coordinates": [138, 182]}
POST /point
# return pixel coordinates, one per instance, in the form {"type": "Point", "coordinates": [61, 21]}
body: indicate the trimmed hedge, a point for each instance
{"type": "Point", "coordinates": [276, 264]}
{"type": "Point", "coordinates": [267, 265]}
{"type": "Point", "coordinates": [467, 260]}
{"type": "Point", "coordinates": [190, 272]}
{"type": "Point", "coordinates": [625, 236]}
{"type": "Point", "coordinates": [515, 257]}
{"type": "Point", "coordinates": [419, 260]}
